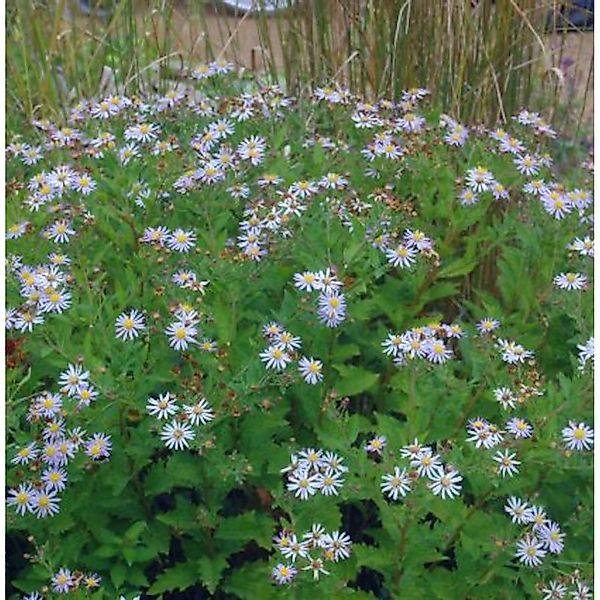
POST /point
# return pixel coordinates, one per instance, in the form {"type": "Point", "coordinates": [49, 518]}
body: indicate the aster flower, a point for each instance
{"type": "Point", "coordinates": [507, 463]}
{"type": "Point", "coordinates": [98, 446]}
{"type": "Point", "coordinates": [530, 551]}
{"type": "Point", "coordinates": [21, 498]}
{"type": "Point", "coordinates": [337, 545]}
{"type": "Point", "coordinates": [302, 484]}
{"type": "Point", "coordinates": [578, 436]}
{"type": "Point", "coordinates": [376, 445]}
{"type": "Point", "coordinates": [283, 574]}
{"type": "Point", "coordinates": [311, 370]}
{"type": "Point", "coordinates": [200, 412]}
{"type": "Point", "coordinates": [162, 407]}
{"type": "Point", "coordinates": [177, 435]}
{"type": "Point", "coordinates": [445, 483]}
{"type": "Point", "coordinates": [181, 335]}
{"type": "Point", "coordinates": [396, 484]}
{"type": "Point", "coordinates": [45, 503]}
{"type": "Point", "coordinates": [62, 581]}
{"type": "Point", "coordinates": [129, 325]}
{"type": "Point", "coordinates": [275, 357]}
{"type": "Point", "coordinates": [571, 281]}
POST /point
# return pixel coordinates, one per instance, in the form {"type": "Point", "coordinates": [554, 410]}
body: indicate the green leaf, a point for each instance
{"type": "Point", "coordinates": [211, 570]}
{"type": "Point", "coordinates": [179, 577]}
{"type": "Point", "coordinates": [354, 380]}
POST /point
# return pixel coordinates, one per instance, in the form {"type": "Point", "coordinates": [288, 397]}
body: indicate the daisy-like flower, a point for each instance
{"type": "Point", "coordinates": [275, 357]}
{"type": "Point", "coordinates": [333, 463]}
{"type": "Point", "coordinates": [181, 335]}
{"type": "Point", "coordinates": [310, 458]}
{"type": "Point", "coordinates": [332, 308]}
{"type": "Point", "coordinates": [392, 345]}
{"type": "Point", "coordinates": [177, 436]}
{"type": "Point", "coordinates": [91, 581]}
{"type": "Point", "coordinates": [551, 537]}
{"type": "Point", "coordinates": [401, 256]}
{"type": "Point", "coordinates": [436, 351]}
{"type": "Point", "coordinates": [571, 281]}
{"type": "Point", "coordinates": [555, 590]}
{"type": "Point", "coordinates": [45, 503]}
{"type": "Point", "coordinates": [329, 483]}
{"type": "Point", "coordinates": [578, 436]}
{"type": "Point", "coordinates": [25, 455]}
{"type": "Point", "coordinates": [556, 203]}
{"type": "Point", "coordinates": [181, 241]}
{"type": "Point", "coordinates": [505, 397]}
{"type": "Point", "coordinates": [520, 428]}
{"type": "Point", "coordinates": [337, 545]}
{"type": "Point", "coordinates": [162, 407]}
{"type": "Point", "coordinates": [426, 463]}
{"type": "Point", "coordinates": [128, 153]}
{"type": "Point", "coordinates": [156, 235]}
{"type": "Point", "coordinates": [537, 516]}
{"type": "Point", "coordinates": [98, 446]}
{"type": "Point", "coordinates": [582, 592]}
{"type": "Point", "coordinates": [306, 281]}
{"type": "Point", "coordinates": [55, 479]}
{"type": "Point", "coordinates": [302, 484]}
{"type": "Point", "coordinates": [285, 340]}
{"type": "Point", "coordinates": [584, 246]}
{"type": "Point", "coordinates": [62, 581]}
{"type": "Point", "coordinates": [479, 179]}
{"type": "Point", "coordinates": [200, 412]}
{"type": "Point", "coordinates": [396, 484]}
{"type": "Point", "coordinates": [26, 319]}
{"type": "Point", "coordinates": [71, 379]}
{"type": "Point", "coordinates": [314, 537]}
{"type": "Point", "coordinates": [84, 184]}
{"type": "Point", "coordinates": [527, 165]}
{"type": "Point", "coordinates": [129, 325]}
{"type": "Point", "coordinates": [586, 352]}
{"type": "Point", "coordinates": [530, 551]}
{"type": "Point", "coordinates": [468, 197]}
{"type": "Point", "coordinates": [292, 548]}
{"type": "Point", "coordinates": [21, 498]}
{"type": "Point", "coordinates": [316, 566]}
{"type": "Point", "coordinates": [60, 232]}
{"type": "Point", "coordinates": [518, 510]}
{"type": "Point", "coordinates": [445, 483]}
{"type": "Point", "coordinates": [17, 230]}
{"type": "Point", "coordinates": [507, 463]}
{"type": "Point", "coordinates": [311, 370]}
{"type": "Point", "coordinates": [513, 353]}
{"type": "Point", "coordinates": [284, 574]}
{"type": "Point", "coordinates": [376, 445]}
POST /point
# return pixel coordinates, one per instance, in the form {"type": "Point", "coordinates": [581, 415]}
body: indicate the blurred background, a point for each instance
{"type": "Point", "coordinates": [482, 59]}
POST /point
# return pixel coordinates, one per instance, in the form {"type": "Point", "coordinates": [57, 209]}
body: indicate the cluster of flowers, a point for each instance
{"type": "Point", "coordinates": [315, 550]}
{"type": "Point", "coordinates": [405, 253]}
{"type": "Point", "coordinates": [480, 180]}
{"type": "Point", "coordinates": [484, 434]}
{"type": "Point", "coordinates": [331, 302]}
{"type": "Point", "coordinates": [178, 240]}
{"type": "Point", "coordinates": [282, 350]}
{"type": "Point", "coordinates": [513, 353]}
{"type": "Point", "coordinates": [430, 342]}
{"type": "Point", "coordinates": [540, 536]}
{"type": "Point", "coordinates": [557, 589]}
{"type": "Point", "coordinates": [311, 471]}
{"type": "Point", "coordinates": [206, 70]}
{"type": "Point", "coordinates": [43, 289]}
{"type": "Point", "coordinates": [65, 581]}
{"type": "Point", "coordinates": [178, 433]}
{"type": "Point", "coordinates": [574, 281]}
{"type": "Point", "coordinates": [40, 494]}
{"type": "Point", "coordinates": [443, 480]}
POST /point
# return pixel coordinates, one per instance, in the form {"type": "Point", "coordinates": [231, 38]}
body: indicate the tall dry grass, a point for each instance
{"type": "Point", "coordinates": [482, 59]}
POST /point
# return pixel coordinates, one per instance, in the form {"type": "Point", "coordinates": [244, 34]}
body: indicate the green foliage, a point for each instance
{"type": "Point", "coordinates": [199, 522]}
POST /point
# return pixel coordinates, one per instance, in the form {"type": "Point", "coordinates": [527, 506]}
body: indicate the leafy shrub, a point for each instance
{"type": "Point", "coordinates": [200, 288]}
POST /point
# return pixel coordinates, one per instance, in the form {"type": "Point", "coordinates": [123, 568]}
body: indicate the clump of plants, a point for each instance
{"type": "Point", "coordinates": [263, 346]}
